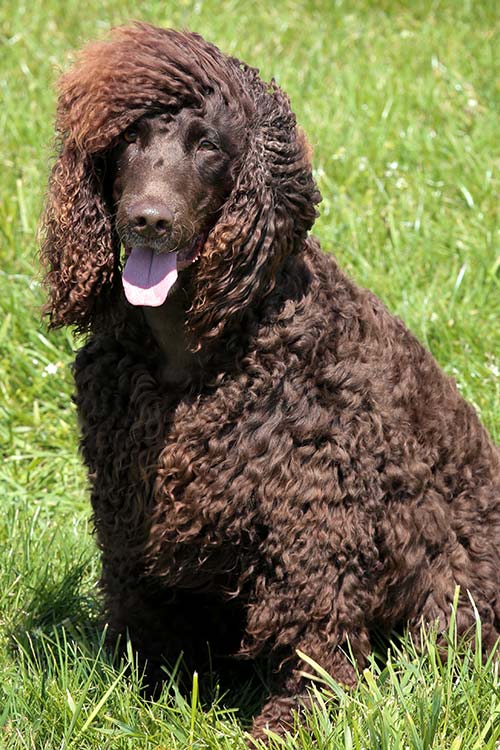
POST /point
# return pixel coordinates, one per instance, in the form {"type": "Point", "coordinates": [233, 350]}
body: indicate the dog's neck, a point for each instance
{"type": "Point", "coordinates": [178, 366]}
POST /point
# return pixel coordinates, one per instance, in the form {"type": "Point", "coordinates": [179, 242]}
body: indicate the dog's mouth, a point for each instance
{"type": "Point", "coordinates": [150, 274]}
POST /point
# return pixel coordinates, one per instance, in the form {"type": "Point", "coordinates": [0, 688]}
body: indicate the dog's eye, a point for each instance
{"type": "Point", "coordinates": [131, 134]}
{"type": "Point", "coordinates": [206, 145]}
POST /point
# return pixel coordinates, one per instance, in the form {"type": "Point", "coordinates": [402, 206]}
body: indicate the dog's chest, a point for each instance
{"type": "Point", "coordinates": [206, 469]}
{"type": "Point", "coordinates": [171, 455]}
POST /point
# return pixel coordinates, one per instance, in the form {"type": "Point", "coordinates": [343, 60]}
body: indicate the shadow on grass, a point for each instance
{"type": "Point", "coordinates": [54, 604]}
{"type": "Point", "coordinates": [59, 624]}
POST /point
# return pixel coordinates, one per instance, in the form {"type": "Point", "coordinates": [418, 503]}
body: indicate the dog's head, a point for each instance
{"type": "Point", "coordinates": [170, 175]}
{"type": "Point", "coordinates": [174, 159]}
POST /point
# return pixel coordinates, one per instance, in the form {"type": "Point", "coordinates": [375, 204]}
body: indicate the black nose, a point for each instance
{"type": "Point", "coordinates": [150, 218]}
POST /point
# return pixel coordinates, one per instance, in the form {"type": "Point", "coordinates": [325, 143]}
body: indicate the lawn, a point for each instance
{"type": "Point", "coordinates": [398, 101]}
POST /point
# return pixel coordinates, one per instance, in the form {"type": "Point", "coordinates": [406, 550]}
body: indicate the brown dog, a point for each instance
{"type": "Point", "coordinates": [276, 462]}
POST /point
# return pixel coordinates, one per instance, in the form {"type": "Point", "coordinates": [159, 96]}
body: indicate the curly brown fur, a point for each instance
{"type": "Point", "coordinates": [314, 475]}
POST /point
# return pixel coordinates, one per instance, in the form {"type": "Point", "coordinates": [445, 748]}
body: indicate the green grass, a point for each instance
{"type": "Point", "coordinates": [398, 100]}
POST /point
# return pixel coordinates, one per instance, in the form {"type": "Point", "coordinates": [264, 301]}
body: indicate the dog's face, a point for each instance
{"type": "Point", "coordinates": [170, 178]}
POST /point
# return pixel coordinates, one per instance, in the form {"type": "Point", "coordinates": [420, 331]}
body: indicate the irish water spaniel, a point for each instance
{"type": "Point", "coordinates": [276, 463]}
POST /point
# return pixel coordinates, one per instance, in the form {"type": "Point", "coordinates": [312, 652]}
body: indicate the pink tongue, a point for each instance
{"type": "Point", "coordinates": [148, 276]}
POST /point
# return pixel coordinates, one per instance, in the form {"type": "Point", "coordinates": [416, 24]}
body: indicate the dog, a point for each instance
{"type": "Point", "coordinates": [276, 463]}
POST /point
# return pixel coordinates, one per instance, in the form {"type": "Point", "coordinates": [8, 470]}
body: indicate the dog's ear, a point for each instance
{"type": "Point", "coordinates": [266, 217]}
{"type": "Point", "coordinates": [78, 248]}
{"type": "Point", "coordinates": [236, 263]}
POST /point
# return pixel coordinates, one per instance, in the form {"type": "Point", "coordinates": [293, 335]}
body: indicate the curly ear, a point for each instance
{"type": "Point", "coordinates": [235, 265]}
{"type": "Point", "coordinates": [266, 217]}
{"type": "Point", "coordinates": [79, 248]}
